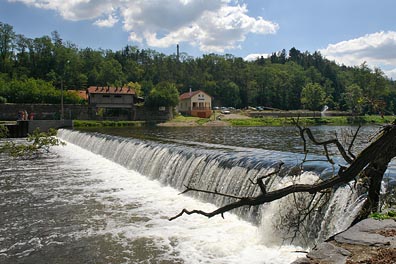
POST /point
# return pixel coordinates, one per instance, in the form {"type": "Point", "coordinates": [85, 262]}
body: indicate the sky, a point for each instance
{"type": "Point", "coordinates": [349, 32]}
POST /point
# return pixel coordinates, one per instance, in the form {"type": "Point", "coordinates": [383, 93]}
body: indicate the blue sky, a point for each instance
{"type": "Point", "coordinates": [347, 31]}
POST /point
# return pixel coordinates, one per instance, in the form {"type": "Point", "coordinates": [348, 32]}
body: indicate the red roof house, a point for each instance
{"type": "Point", "coordinates": [195, 103]}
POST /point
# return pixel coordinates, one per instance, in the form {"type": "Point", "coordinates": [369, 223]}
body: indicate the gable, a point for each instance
{"type": "Point", "coordinates": [194, 95]}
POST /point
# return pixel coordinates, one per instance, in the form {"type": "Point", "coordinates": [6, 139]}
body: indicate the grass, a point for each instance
{"type": "Point", "coordinates": [310, 121]}
{"type": "Point", "coordinates": [190, 119]}
{"type": "Point", "coordinates": [381, 216]}
{"type": "Point", "coordinates": [183, 119]}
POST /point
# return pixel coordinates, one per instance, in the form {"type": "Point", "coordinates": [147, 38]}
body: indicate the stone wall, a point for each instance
{"type": "Point", "coordinates": [9, 112]}
{"type": "Point", "coordinates": [45, 125]}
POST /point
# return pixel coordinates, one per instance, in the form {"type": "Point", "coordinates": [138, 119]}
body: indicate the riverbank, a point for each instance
{"type": "Point", "coordinates": [369, 241]}
{"type": "Point", "coordinates": [243, 120]}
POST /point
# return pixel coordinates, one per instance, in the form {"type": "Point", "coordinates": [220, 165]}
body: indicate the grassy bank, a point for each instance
{"type": "Point", "coordinates": [311, 121]}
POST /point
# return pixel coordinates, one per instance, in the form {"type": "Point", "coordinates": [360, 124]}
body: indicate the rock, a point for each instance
{"type": "Point", "coordinates": [328, 253]}
{"type": "Point", "coordinates": [369, 232]}
{"type": "Point", "coordinates": [362, 242]}
{"type": "Point", "coordinates": [302, 261]}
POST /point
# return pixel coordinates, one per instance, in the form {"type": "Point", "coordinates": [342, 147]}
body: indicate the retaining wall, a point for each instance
{"type": "Point", "coordinates": [81, 112]}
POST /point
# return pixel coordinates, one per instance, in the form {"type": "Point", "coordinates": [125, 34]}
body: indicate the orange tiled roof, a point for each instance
{"type": "Point", "coordinates": [190, 94]}
{"type": "Point", "coordinates": [110, 90]}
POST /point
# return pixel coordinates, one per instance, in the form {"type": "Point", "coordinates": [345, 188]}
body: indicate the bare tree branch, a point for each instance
{"type": "Point", "coordinates": [379, 152]}
{"type": "Point", "coordinates": [335, 142]}
{"type": "Point", "coordinates": [188, 189]}
{"type": "Point", "coordinates": [353, 142]}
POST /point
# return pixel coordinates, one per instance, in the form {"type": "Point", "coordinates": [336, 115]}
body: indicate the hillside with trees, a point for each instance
{"type": "Point", "coordinates": [32, 70]}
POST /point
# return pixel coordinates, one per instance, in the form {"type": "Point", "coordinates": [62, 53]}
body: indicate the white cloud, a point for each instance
{"type": "Point", "coordinates": [109, 22]}
{"type": "Point", "coordinates": [76, 9]}
{"type": "Point", "coordinates": [391, 73]}
{"type": "Point", "coordinates": [212, 25]}
{"type": "Point", "coordinates": [377, 49]}
{"type": "Point", "coordinates": [255, 56]}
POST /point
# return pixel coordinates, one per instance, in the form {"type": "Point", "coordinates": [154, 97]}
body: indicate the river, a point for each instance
{"type": "Point", "coordinates": [87, 202]}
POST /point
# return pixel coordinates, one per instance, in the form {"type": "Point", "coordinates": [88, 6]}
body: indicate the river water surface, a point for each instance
{"type": "Point", "coordinates": [74, 206]}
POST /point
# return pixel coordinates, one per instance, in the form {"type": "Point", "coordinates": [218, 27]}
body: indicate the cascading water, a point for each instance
{"type": "Point", "coordinates": [225, 169]}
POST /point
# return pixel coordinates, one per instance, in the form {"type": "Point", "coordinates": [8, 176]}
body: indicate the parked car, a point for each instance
{"type": "Point", "coordinates": [226, 112]}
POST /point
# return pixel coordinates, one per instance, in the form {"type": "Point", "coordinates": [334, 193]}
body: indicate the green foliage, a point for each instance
{"type": "Point", "coordinates": [382, 216]}
{"type": "Point", "coordinates": [33, 91]}
{"type": "Point", "coordinates": [137, 87]}
{"type": "Point", "coordinates": [313, 96]}
{"type": "Point", "coordinates": [310, 121]}
{"type": "Point", "coordinates": [32, 70]}
{"type": "Point", "coordinates": [92, 123]}
{"type": "Point", "coordinates": [163, 94]}
{"type": "Point", "coordinates": [37, 143]}
{"type": "Point", "coordinates": [3, 131]}
{"type": "Point", "coordinates": [354, 99]}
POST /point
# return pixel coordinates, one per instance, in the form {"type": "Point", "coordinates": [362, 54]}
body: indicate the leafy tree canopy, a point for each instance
{"type": "Point", "coordinates": [313, 96]}
{"type": "Point", "coordinates": [163, 94]}
{"type": "Point", "coordinates": [275, 81]}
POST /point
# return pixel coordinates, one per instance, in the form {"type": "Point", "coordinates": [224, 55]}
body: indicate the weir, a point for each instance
{"type": "Point", "coordinates": [227, 170]}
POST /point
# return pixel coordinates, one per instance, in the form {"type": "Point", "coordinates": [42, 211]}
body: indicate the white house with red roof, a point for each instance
{"type": "Point", "coordinates": [195, 103]}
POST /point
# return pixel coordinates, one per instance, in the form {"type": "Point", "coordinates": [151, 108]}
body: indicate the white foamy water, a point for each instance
{"type": "Point", "coordinates": [136, 212]}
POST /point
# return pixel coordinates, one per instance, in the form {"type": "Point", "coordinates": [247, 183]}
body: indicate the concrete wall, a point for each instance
{"type": "Point", "coordinates": [9, 112]}
{"type": "Point", "coordinates": [45, 125]}
{"type": "Point", "coordinates": [45, 111]}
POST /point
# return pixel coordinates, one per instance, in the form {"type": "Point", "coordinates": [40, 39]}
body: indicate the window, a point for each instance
{"type": "Point", "coordinates": [106, 95]}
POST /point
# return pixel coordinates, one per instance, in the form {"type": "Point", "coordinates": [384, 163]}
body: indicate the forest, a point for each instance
{"type": "Point", "coordinates": [35, 70]}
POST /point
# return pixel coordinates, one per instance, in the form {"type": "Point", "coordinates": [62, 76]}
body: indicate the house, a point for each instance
{"type": "Point", "coordinates": [113, 103]}
{"type": "Point", "coordinates": [195, 103]}
{"type": "Point", "coordinates": [112, 97]}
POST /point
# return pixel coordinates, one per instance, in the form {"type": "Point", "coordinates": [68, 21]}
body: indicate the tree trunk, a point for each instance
{"type": "Point", "coordinates": [374, 173]}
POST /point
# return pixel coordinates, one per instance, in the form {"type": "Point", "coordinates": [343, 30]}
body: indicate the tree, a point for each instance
{"type": "Point", "coordinates": [111, 73]}
{"type": "Point", "coordinates": [7, 37]}
{"type": "Point", "coordinates": [353, 97]}
{"type": "Point", "coordinates": [313, 96]}
{"type": "Point", "coordinates": [136, 87]}
{"type": "Point", "coordinates": [229, 92]}
{"type": "Point", "coordinates": [366, 169]}
{"type": "Point", "coordinates": [37, 143]}
{"type": "Point", "coordinates": [163, 94]}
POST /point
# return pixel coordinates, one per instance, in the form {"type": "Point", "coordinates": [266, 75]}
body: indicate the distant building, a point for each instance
{"type": "Point", "coordinates": [195, 103]}
{"type": "Point", "coordinates": [112, 97]}
{"type": "Point", "coordinates": [113, 103]}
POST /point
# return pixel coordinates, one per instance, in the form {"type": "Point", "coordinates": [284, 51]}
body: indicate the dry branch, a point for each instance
{"type": "Point", "coordinates": [377, 154]}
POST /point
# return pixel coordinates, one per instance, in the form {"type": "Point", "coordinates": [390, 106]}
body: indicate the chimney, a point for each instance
{"type": "Point", "coordinates": [177, 52]}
